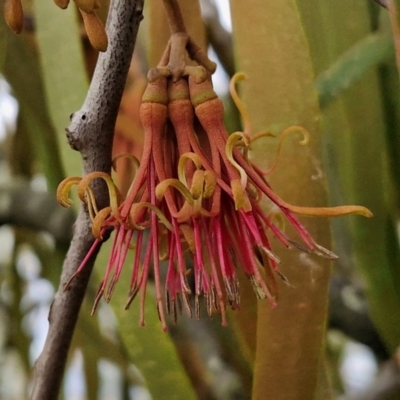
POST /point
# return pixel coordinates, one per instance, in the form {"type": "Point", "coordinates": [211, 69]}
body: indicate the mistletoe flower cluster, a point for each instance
{"type": "Point", "coordinates": [198, 196]}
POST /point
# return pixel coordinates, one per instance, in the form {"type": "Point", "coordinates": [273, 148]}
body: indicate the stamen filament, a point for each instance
{"type": "Point", "coordinates": [239, 76]}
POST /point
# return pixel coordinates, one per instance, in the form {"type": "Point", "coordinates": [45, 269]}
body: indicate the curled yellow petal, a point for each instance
{"type": "Point", "coordinates": [98, 222]}
{"type": "Point", "coordinates": [284, 135]}
{"type": "Point", "coordinates": [252, 138]}
{"type": "Point", "coordinates": [163, 186]}
{"type": "Point", "coordinates": [183, 159]}
{"type": "Point", "coordinates": [63, 190]}
{"type": "Point", "coordinates": [131, 157]}
{"type": "Point", "coordinates": [277, 219]}
{"type": "Point", "coordinates": [192, 208]}
{"type": "Point", "coordinates": [186, 211]}
{"type": "Point", "coordinates": [134, 213]}
{"type": "Point", "coordinates": [239, 76]}
{"type": "Point", "coordinates": [163, 246]}
{"type": "Point", "coordinates": [240, 196]}
{"type": "Point", "coordinates": [233, 139]}
{"type": "Point", "coordinates": [254, 192]}
{"type": "Point", "coordinates": [197, 190]}
{"type": "Point", "coordinates": [258, 135]}
{"type": "Point", "coordinates": [210, 183]}
{"type": "Point", "coordinates": [329, 211]}
{"type": "Point", "coordinates": [112, 190]}
{"type": "Point", "coordinates": [188, 234]}
{"type": "Point", "coordinates": [92, 206]}
{"type": "Point", "coordinates": [197, 187]}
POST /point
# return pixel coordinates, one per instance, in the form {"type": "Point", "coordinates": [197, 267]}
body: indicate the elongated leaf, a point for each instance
{"type": "Point", "coordinates": [394, 12]}
{"type": "Point", "coordinates": [21, 58]}
{"type": "Point", "coordinates": [3, 43]}
{"type": "Point", "coordinates": [280, 93]}
{"type": "Point", "coordinates": [63, 68]}
{"type": "Point", "coordinates": [370, 52]}
{"type": "Point", "coordinates": [357, 162]}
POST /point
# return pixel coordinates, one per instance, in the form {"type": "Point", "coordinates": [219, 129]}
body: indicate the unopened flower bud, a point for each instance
{"type": "Point", "coordinates": [95, 30]}
{"type": "Point", "coordinates": [14, 15]}
{"type": "Point", "coordinates": [61, 3]}
{"type": "Point", "coordinates": [88, 5]}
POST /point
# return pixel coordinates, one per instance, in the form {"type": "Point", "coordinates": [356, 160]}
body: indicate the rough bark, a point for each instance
{"type": "Point", "coordinates": [90, 132]}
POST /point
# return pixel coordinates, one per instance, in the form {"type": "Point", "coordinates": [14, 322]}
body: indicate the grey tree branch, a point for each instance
{"type": "Point", "coordinates": [219, 38]}
{"type": "Point", "coordinates": [383, 3]}
{"type": "Point", "coordinates": [41, 212]}
{"type": "Point", "coordinates": [91, 133]}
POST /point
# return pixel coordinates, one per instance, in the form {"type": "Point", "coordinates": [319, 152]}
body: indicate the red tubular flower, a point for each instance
{"type": "Point", "coordinates": [196, 190]}
{"type": "Point", "coordinates": [138, 211]}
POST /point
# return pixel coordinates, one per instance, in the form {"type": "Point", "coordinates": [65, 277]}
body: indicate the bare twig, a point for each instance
{"type": "Point", "coordinates": [173, 62]}
{"type": "Point", "coordinates": [174, 15]}
{"type": "Point", "coordinates": [354, 322]}
{"type": "Point", "coordinates": [42, 212]}
{"type": "Point", "coordinates": [199, 348]}
{"type": "Point", "coordinates": [91, 133]}
{"type": "Point", "coordinates": [219, 38]}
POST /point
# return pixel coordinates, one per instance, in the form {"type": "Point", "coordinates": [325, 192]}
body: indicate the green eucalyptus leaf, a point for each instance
{"type": "Point", "coordinates": [63, 68]}
{"type": "Point", "coordinates": [371, 51]}
{"type": "Point", "coordinates": [280, 93]}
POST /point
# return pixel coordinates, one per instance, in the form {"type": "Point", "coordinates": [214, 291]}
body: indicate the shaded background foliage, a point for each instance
{"type": "Point", "coordinates": [327, 66]}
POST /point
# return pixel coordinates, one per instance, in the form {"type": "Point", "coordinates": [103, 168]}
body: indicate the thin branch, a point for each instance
{"type": "Point", "coordinates": [219, 38]}
{"type": "Point", "coordinates": [355, 323]}
{"type": "Point", "coordinates": [90, 132]}
{"type": "Point", "coordinates": [198, 345]}
{"type": "Point", "coordinates": [41, 212]}
{"type": "Point", "coordinates": [394, 14]}
{"type": "Point", "coordinates": [386, 384]}
{"type": "Point", "coordinates": [383, 3]}
{"type": "Point", "coordinates": [174, 16]}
